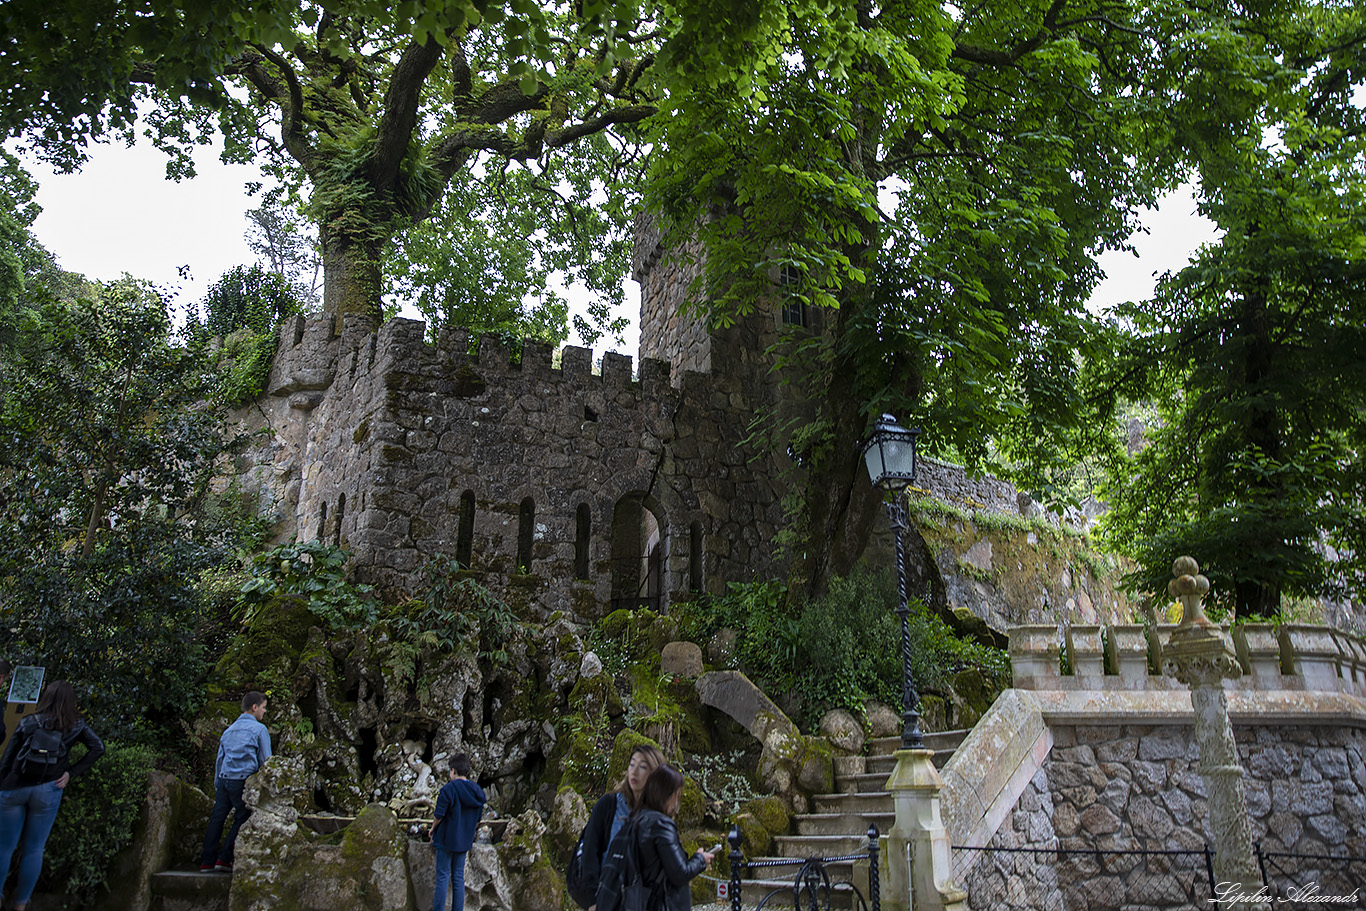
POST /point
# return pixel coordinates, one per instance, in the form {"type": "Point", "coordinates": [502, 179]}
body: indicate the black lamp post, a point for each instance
{"type": "Point", "coordinates": [890, 455]}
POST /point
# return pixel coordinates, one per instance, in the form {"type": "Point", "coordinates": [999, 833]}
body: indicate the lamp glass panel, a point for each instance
{"type": "Point", "coordinates": [899, 455]}
{"type": "Point", "coordinates": [873, 457]}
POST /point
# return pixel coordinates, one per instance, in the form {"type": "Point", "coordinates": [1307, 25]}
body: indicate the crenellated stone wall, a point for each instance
{"type": "Point", "coordinates": [378, 441]}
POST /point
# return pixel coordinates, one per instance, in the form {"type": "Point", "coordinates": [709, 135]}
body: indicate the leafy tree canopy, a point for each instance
{"type": "Point", "coordinates": [248, 297]}
{"type": "Point", "coordinates": [941, 179]}
{"type": "Point", "coordinates": [1253, 353]}
{"type": "Point", "coordinates": [106, 513]}
{"type": "Point", "coordinates": [376, 107]}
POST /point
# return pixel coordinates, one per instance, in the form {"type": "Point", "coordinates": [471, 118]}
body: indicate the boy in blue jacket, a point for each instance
{"type": "Point", "coordinates": [458, 809]}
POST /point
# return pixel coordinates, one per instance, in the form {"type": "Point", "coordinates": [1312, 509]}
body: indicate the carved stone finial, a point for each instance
{"type": "Point", "coordinates": [1197, 653]}
{"type": "Point", "coordinates": [1189, 587]}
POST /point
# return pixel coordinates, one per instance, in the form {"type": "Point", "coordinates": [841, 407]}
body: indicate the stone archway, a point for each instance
{"type": "Point", "coordinates": [640, 547]}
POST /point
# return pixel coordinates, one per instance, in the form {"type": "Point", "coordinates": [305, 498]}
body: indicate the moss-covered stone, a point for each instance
{"type": "Point", "coordinates": [816, 774]}
{"type": "Point", "coordinates": [692, 805]}
{"type": "Point", "coordinates": [267, 649]}
{"type": "Point", "coordinates": [594, 695]}
{"type": "Point", "coordinates": [539, 888]}
{"type": "Point", "coordinates": [934, 713]}
{"type": "Point", "coordinates": [770, 813]}
{"type": "Point", "coordinates": [972, 696]}
{"type": "Point", "coordinates": [755, 836]}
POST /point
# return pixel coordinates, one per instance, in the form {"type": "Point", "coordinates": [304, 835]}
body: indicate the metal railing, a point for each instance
{"type": "Point", "coordinates": [1333, 880]}
{"type": "Point", "coordinates": [812, 888]}
{"type": "Point", "coordinates": [1091, 878]}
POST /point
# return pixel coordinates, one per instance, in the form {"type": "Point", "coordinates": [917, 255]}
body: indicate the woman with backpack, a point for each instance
{"type": "Point", "coordinates": [33, 773]}
{"type": "Point", "coordinates": [651, 872]}
{"type": "Point", "coordinates": [608, 816]}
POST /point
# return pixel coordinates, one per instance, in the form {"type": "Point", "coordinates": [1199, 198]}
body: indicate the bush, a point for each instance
{"type": "Point", "coordinates": [96, 821]}
{"type": "Point", "coordinates": [841, 649]}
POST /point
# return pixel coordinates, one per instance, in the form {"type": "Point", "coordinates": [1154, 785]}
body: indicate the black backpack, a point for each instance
{"type": "Point", "coordinates": [622, 888]}
{"type": "Point", "coordinates": [580, 891]}
{"type": "Point", "coordinates": [42, 751]}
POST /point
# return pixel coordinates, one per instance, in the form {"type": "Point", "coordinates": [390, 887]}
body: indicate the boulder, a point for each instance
{"type": "Point", "coordinates": [682, 659]}
{"type": "Point", "coordinates": [733, 693]}
{"type": "Point", "coordinates": [882, 721]}
{"type": "Point", "coordinates": [843, 731]}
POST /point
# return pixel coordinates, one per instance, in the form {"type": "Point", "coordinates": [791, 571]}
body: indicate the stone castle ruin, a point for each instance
{"type": "Point", "coordinates": [559, 485]}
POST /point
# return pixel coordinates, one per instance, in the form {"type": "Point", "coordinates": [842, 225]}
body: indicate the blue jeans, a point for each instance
{"type": "Point", "coordinates": [450, 866]}
{"type": "Point", "coordinates": [227, 796]}
{"type": "Point", "coordinates": [28, 812]}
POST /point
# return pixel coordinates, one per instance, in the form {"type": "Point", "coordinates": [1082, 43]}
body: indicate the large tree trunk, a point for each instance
{"type": "Point", "coordinates": [351, 275]}
{"type": "Point", "coordinates": [1263, 432]}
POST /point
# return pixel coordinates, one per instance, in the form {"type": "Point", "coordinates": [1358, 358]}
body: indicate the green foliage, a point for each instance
{"type": "Point", "coordinates": [248, 297]}
{"type": "Point", "coordinates": [314, 573]}
{"type": "Point", "coordinates": [1252, 353]}
{"type": "Point", "coordinates": [96, 821]}
{"type": "Point", "coordinates": [247, 357]}
{"type": "Point", "coordinates": [126, 626]}
{"type": "Point", "coordinates": [106, 454]}
{"type": "Point", "coordinates": [455, 611]}
{"type": "Point", "coordinates": [842, 648]}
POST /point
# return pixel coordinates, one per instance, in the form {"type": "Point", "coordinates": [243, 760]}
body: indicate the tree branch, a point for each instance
{"type": "Point", "coordinates": [291, 123]}
{"type": "Point", "coordinates": [397, 124]}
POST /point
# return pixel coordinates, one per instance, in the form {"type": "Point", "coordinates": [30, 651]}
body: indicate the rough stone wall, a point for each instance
{"type": "Point", "coordinates": [1138, 787]}
{"type": "Point", "coordinates": [666, 331]}
{"type": "Point", "coordinates": [373, 438]}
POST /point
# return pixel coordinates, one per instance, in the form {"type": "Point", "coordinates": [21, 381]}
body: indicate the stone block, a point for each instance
{"type": "Point", "coordinates": [683, 659]}
{"type": "Point", "coordinates": [1035, 653]}
{"type": "Point", "coordinates": [1259, 651]}
{"type": "Point", "coordinates": [1312, 654]}
{"type": "Point", "coordinates": [1127, 647]}
{"type": "Point", "coordinates": [1084, 649]}
{"type": "Point", "coordinates": [733, 693]}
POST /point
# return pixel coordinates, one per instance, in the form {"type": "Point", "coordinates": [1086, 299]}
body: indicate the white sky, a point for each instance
{"type": "Point", "coordinates": [119, 214]}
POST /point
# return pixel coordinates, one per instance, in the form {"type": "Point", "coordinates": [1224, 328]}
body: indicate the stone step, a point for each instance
{"type": "Point", "coordinates": [794, 846]}
{"type": "Point", "coordinates": [935, 740]}
{"type": "Point", "coordinates": [190, 890]}
{"type": "Point", "coordinates": [867, 783]}
{"type": "Point", "coordinates": [858, 804]}
{"type": "Point", "coordinates": [842, 823]}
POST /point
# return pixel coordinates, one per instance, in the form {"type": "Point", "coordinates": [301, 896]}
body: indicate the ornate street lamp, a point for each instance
{"type": "Point", "coordinates": [890, 455]}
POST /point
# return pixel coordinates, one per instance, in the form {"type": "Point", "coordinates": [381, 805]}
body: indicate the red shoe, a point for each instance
{"type": "Point", "coordinates": [223, 867]}
{"type": "Point", "coordinates": [206, 868]}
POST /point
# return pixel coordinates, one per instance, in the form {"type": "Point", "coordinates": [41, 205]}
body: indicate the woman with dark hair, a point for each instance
{"type": "Point", "coordinates": [609, 815]}
{"type": "Point", "coordinates": [33, 774]}
{"type": "Point", "coordinates": [664, 868]}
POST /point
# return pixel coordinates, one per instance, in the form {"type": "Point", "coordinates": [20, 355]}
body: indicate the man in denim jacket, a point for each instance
{"type": "Point", "coordinates": [243, 748]}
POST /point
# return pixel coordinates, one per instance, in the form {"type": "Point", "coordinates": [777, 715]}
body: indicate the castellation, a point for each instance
{"type": "Point", "coordinates": [557, 486]}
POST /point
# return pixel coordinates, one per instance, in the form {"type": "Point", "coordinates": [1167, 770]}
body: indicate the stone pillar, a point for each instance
{"type": "Point", "coordinates": [1201, 657]}
{"type": "Point", "coordinates": [918, 863]}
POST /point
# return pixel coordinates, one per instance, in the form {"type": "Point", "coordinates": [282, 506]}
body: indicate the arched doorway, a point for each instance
{"type": "Point", "coordinates": [639, 549]}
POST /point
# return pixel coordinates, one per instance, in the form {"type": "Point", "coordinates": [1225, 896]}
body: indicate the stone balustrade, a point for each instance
{"type": "Point", "coordinates": [1126, 657]}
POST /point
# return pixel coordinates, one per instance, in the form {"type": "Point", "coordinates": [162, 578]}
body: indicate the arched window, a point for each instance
{"type": "Point", "coordinates": [464, 539]}
{"type": "Point", "coordinates": [583, 528]}
{"type": "Point", "coordinates": [322, 522]}
{"type": "Point", "coordinates": [695, 557]}
{"type": "Point", "coordinates": [341, 513]}
{"type": "Point", "coordinates": [526, 519]}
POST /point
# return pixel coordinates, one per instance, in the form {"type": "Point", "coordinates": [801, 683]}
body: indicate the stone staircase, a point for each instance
{"type": "Point", "coordinates": [839, 822]}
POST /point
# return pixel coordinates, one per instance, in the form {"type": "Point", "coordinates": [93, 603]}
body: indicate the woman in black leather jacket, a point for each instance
{"type": "Point", "coordinates": [659, 851]}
